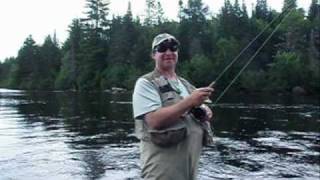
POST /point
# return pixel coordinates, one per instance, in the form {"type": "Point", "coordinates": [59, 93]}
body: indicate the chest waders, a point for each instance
{"type": "Point", "coordinates": [171, 153]}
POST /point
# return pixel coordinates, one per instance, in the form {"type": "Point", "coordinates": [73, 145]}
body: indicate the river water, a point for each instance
{"type": "Point", "coordinates": [69, 135]}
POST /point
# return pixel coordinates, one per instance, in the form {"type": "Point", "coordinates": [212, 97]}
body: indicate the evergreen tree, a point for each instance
{"type": "Point", "coordinates": [288, 4]}
{"type": "Point", "coordinates": [67, 78]}
{"type": "Point", "coordinates": [28, 64]}
{"type": "Point", "coordinates": [234, 17]}
{"type": "Point", "coordinates": [50, 61]}
{"type": "Point", "coordinates": [228, 20]}
{"type": "Point", "coordinates": [261, 10]}
{"type": "Point", "coordinates": [314, 17]}
{"type": "Point", "coordinates": [94, 47]}
{"type": "Point", "coordinates": [287, 71]}
{"type": "Point", "coordinates": [7, 67]}
{"type": "Point", "coordinates": [314, 44]}
{"type": "Point", "coordinates": [244, 12]}
{"type": "Point", "coordinates": [93, 53]}
{"type": "Point", "coordinates": [160, 14]}
{"type": "Point", "coordinates": [154, 13]}
{"type": "Point", "coordinates": [150, 13]}
{"type": "Point", "coordinates": [225, 18]}
{"type": "Point", "coordinates": [142, 48]}
{"type": "Point", "coordinates": [123, 44]}
{"type": "Point", "coordinates": [123, 39]}
{"type": "Point", "coordinates": [314, 10]}
{"type": "Point", "coordinates": [180, 11]}
{"type": "Point", "coordinates": [293, 31]}
{"type": "Point", "coordinates": [244, 24]}
{"type": "Point", "coordinates": [193, 32]}
{"type": "Point", "coordinates": [227, 49]}
{"type": "Point", "coordinates": [96, 20]}
{"type": "Point", "coordinates": [101, 53]}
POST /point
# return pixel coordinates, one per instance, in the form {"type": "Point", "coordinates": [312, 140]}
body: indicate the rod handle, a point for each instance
{"type": "Point", "coordinates": [212, 84]}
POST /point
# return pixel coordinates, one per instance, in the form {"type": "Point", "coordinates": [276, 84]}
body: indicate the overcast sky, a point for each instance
{"type": "Point", "coordinates": [20, 18]}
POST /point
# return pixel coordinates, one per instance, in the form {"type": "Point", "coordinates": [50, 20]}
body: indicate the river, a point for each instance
{"type": "Point", "coordinates": [71, 135]}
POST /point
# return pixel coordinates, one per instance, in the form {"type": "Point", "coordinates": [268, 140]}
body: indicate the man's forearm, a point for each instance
{"type": "Point", "coordinates": [169, 115]}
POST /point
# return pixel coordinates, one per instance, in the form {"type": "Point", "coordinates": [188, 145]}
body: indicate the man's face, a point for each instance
{"type": "Point", "coordinates": [166, 55]}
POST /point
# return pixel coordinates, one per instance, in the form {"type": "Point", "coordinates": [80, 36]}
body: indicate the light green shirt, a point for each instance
{"type": "Point", "coordinates": [146, 98]}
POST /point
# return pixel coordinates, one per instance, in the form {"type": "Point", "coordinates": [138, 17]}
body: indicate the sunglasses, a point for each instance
{"type": "Point", "coordinates": [163, 47]}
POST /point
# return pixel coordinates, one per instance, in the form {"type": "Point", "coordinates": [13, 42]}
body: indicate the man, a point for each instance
{"type": "Point", "coordinates": [171, 137]}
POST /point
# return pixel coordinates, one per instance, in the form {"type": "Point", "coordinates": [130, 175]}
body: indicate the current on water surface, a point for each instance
{"type": "Point", "coordinates": [68, 135]}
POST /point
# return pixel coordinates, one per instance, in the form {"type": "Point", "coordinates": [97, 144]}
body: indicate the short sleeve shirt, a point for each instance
{"type": "Point", "coordinates": [146, 98]}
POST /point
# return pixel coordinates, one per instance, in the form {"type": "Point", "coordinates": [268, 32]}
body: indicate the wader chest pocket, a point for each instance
{"type": "Point", "coordinates": [169, 137]}
{"type": "Point", "coordinates": [170, 98]}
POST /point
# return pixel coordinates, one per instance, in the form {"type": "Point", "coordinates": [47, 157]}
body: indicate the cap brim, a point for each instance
{"type": "Point", "coordinates": [174, 39]}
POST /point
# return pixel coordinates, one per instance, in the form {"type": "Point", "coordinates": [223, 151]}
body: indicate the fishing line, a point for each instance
{"type": "Point", "coordinates": [249, 44]}
{"type": "Point", "coordinates": [252, 57]}
{"type": "Point", "coordinates": [207, 125]}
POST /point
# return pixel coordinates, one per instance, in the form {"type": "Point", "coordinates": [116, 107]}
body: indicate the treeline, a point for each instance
{"type": "Point", "coordinates": [102, 52]}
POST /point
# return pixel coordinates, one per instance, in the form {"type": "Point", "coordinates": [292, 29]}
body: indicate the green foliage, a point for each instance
{"type": "Point", "coordinates": [103, 52]}
{"type": "Point", "coordinates": [91, 65]}
{"type": "Point", "coordinates": [6, 71]}
{"type": "Point", "coordinates": [253, 81]}
{"type": "Point", "coordinates": [286, 72]}
{"type": "Point", "coordinates": [314, 10]}
{"type": "Point", "coordinates": [154, 13]}
{"type": "Point", "coordinates": [294, 30]}
{"type": "Point", "coordinates": [122, 76]}
{"type": "Point", "coordinates": [199, 70]}
{"type": "Point", "coordinates": [96, 21]}
{"type": "Point", "coordinates": [37, 66]}
{"type": "Point", "coordinates": [66, 76]}
{"type": "Point", "coordinates": [50, 55]}
{"type": "Point", "coordinates": [28, 66]}
{"type": "Point", "coordinates": [233, 20]}
{"type": "Point", "coordinates": [289, 4]}
{"type": "Point", "coordinates": [123, 39]}
{"type": "Point", "coordinates": [313, 81]}
{"type": "Point", "coordinates": [261, 10]}
{"type": "Point", "coordinates": [193, 30]}
{"type": "Point", "coordinates": [227, 50]}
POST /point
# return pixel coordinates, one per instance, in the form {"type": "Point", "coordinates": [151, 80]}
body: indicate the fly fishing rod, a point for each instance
{"type": "Point", "coordinates": [289, 10]}
{"type": "Point", "coordinates": [207, 125]}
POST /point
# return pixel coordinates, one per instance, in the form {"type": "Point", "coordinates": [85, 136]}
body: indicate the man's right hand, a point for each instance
{"type": "Point", "coordinates": [199, 95]}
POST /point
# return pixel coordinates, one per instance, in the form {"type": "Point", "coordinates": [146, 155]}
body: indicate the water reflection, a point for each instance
{"type": "Point", "coordinates": [70, 135]}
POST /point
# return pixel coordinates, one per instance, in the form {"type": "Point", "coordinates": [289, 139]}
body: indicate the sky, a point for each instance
{"type": "Point", "coordinates": [40, 18]}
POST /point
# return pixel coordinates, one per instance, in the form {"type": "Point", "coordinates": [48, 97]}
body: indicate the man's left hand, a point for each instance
{"type": "Point", "coordinates": [209, 113]}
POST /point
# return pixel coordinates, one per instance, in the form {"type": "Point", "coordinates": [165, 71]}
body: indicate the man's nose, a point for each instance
{"type": "Point", "coordinates": [168, 51]}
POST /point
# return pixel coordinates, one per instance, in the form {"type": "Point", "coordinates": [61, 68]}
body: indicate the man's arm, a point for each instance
{"type": "Point", "coordinates": [166, 116]}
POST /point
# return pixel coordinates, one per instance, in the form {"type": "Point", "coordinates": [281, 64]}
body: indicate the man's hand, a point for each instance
{"type": "Point", "coordinates": [208, 111]}
{"type": "Point", "coordinates": [199, 95]}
